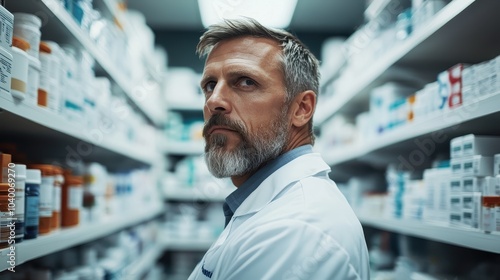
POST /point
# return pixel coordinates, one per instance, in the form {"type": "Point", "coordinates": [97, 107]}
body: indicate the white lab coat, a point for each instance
{"type": "Point", "coordinates": [295, 225]}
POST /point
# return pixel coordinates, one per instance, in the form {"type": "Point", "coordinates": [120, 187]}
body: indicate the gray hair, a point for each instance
{"type": "Point", "coordinates": [299, 66]}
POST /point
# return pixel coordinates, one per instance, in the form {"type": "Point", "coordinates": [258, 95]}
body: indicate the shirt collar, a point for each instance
{"type": "Point", "coordinates": [236, 198]}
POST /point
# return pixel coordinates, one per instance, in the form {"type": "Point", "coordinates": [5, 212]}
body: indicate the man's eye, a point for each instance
{"type": "Point", "coordinates": [209, 87]}
{"type": "Point", "coordinates": [246, 82]}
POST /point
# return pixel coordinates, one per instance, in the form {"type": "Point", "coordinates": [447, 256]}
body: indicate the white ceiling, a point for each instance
{"type": "Point", "coordinates": [335, 16]}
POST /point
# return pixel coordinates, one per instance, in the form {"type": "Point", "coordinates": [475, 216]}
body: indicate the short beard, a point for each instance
{"type": "Point", "coordinates": [253, 150]}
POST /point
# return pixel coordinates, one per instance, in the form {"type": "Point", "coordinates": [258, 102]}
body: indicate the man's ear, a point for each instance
{"type": "Point", "coordinates": [303, 107]}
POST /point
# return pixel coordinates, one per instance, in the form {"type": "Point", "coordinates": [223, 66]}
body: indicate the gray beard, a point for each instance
{"type": "Point", "coordinates": [253, 151]}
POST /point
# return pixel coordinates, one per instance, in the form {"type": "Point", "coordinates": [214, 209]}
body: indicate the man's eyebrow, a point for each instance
{"type": "Point", "coordinates": [205, 79]}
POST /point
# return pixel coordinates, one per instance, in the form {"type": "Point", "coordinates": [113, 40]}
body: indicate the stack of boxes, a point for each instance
{"type": "Point", "coordinates": [475, 183]}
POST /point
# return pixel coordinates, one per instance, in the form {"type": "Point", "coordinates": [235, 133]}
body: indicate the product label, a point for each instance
{"type": "Point", "coordinates": [56, 207]}
{"type": "Point", "coordinates": [5, 72]}
{"type": "Point", "coordinates": [6, 28]}
{"type": "Point", "coordinates": [20, 186]}
{"type": "Point", "coordinates": [31, 211]}
{"type": "Point", "coordinates": [488, 219]}
{"type": "Point", "coordinates": [497, 218]}
{"type": "Point", "coordinates": [45, 78]}
{"type": "Point", "coordinates": [46, 194]}
{"type": "Point", "coordinates": [75, 197]}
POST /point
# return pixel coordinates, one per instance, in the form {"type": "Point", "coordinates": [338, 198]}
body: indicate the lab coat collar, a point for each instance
{"type": "Point", "coordinates": [297, 169]}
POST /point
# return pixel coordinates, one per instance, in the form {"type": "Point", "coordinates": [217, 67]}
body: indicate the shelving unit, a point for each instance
{"type": "Point", "coordinates": [42, 134]}
{"type": "Point", "coordinates": [469, 118]}
{"type": "Point", "coordinates": [70, 237]}
{"type": "Point", "coordinates": [464, 31]}
{"type": "Point", "coordinates": [209, 193]}
{"type": "Point", "coordinates": [59, 26]}
{"type": "Point", "coordinates": [442, 42]}
{"type": "Point", "coordinates": [186, 244]}
{"type": "Point", "coordinates": [20, 119]}
{"type": "Point", "coordinates": [184, 148]}
{"type": "Point", "coordinates": [445, 234]}
{"type": "Point", "coordinates": [137, 269]}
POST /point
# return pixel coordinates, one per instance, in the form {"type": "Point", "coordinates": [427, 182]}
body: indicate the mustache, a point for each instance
{"type": "Point", "coordinates": [221, 120]}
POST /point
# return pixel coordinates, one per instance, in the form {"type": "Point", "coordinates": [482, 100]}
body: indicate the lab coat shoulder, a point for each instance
{"type": "Point", "coordinates": [307, 232]}
{"type": "Point", "coordinates": [288, 249]}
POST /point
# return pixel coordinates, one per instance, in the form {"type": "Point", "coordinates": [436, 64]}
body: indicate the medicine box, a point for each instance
{"type": "Point", "coordinates": [473, 184]}
{"type": "Point", "coordinates": [456, 219]}
{"type": "Point", "coordinates": [450, 86]}
{"type": "Point", "coordinates": [456, 185]}
{"type": "Point", "coordinates": [496, 167]}
{"type": "Point", "coordinates": [480, 145]}
{"type": "Point", "coordinates": [456, 147]}
{"type": "Point", "coordinates": [495, 74]}
{"type": "Point", "coordinates": [456, 203]}
{"type": "Point", "coordinates": [456, 166]}
{"type": "Point", "coordinates": [471, 209]}
{"type": "Point", "coordinates": [6, 28]}
{"type": "Point", "coordinates": [477, 166]}
{"type": "Point", "coordinates": [470, 92]}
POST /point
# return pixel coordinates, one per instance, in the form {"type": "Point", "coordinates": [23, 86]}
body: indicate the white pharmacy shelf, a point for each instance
{"type": "Point", "coordinates": [212, 193]}
{"type": "Point", "coordinates": [22, 119]}
{"type": "Point", "coordinates": [70, 237]}
{"type": "Point", "coordinates": [186, 106]}
{"type": "Point", "coordinates": [470, 118]}
{"type": "Point", "coordinates": [460, 237]}
{"type": "Point", "coordinates": [145, 262]}
{"type": "Point", "coordinates": [461, 32]}
{"type": "Point", "coordinates": [186, 244]}
{"type": "Point", "coordinates": [376, 7]}
{"type": "Point", "coordinates": [188, 148]}
{"type": "Point", "coordinates": [58, 25]}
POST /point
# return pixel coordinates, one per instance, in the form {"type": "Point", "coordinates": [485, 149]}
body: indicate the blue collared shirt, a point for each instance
{"type": "Point", "coordinates": [236, 198]}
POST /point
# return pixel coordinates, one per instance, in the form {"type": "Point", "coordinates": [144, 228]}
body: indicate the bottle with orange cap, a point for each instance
{"type": "Point", "coordinates": [44, 82]}
{"type": "Point", "coordinates": [57, 196]}
{"type": "Point", "coordinates": [72, 199]}
{"type": "Point", "coordinates": [20, 65]}
{"type": "Point", "coordinates": [46, 196]}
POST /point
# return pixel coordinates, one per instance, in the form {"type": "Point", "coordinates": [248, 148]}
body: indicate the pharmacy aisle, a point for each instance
{"type": "Point", "coordinates": [413, 141]}
{"type": "Point", "coordinates": [79, 138]}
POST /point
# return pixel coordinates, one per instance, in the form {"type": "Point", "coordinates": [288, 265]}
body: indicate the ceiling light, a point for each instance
{"type": "Point", "coordinates": [275, 13]}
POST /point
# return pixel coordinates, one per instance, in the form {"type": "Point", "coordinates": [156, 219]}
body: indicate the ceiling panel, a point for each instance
{"type": "Point", "coordinates": [336, 16]}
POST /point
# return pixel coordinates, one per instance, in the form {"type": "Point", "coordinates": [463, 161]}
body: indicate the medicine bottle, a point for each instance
{"type": "Point", "coordinates": [20, 66]}
{"type": "Point", "coordinates": [57, 198]}
{"type": "Point", "coordinates": [46, 196]}
{"type": "Point", "coordinates": [45, 72]}
{"type": "Point", "coordinates": [488, 213]}
{"type": "Point", "coordinates": [72, 199]}
{"type": "Point", "coordinates": [20, 182]}
{"type": "Point", "coordinates": [32, 195]}
{"type": "Point", "coordinates": [6, 218]}
{"type": "Point", "coordinates": [27, 26]}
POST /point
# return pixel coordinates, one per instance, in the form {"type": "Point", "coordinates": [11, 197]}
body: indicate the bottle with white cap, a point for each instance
{"type": "Point", "coordinates": [32, 197]}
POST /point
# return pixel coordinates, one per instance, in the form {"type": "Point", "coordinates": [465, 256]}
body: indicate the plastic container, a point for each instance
{"type": "Point", "coordinates": [44, 91]}
{"type": "Point", "coordinates": [57, 198]}
{"type": "Point", "coordinates": [46, 196]}
{"type": "Point", "coordinates": [27, 27]}
{"type": "Point", "coordinates": [57, 72]}
{"type": "Point", "coordinates": [20, 65]}
{"type": "Point", "coordinates": [32, 195]}
{"type": "Point", "coordinates": [5, 215]}
{"type": "Point", "coordinates": [20, 171]}
{"type": "Point", "coordinates": [33, 81]}
{"type": "Point", "coordinates": [72, 200]}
